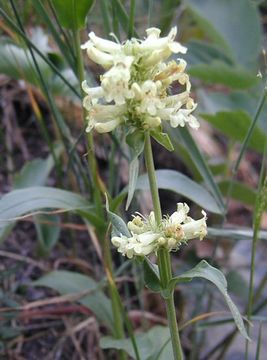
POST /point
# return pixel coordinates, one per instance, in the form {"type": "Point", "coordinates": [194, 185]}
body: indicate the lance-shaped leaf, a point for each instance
{"type": "Point", "coordinates": [210, 273]}
{"type": "Point", "coordinates": [163, 139]}
{"type": "Point", "coordinates": [181, 184]}
{"type": "Point", "coordinates": [69, 282]}
{"type": "Point", "coordinates": [71, 13]}
{"type": "Point", "coordinates": [136, 143]}
{"type": "Point", "coordinates": [151, 275]}
{"type": "Point", "coordinates": [38, 199]}
{"type": "Point", "coordinates": [153, 344]}
{"type": "Point", "coordinates": [118, 225]}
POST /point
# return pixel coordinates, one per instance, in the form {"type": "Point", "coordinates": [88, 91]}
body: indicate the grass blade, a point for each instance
{"type": "Point", "coordinates": [183, 135]}
{"type": "Point", "coordinates": [39, 7]}
{"type": "Point", "coordinates": [252, 127]}
{"type": "Point", "coordinates": [131, 19]}
{"type": "Point", "coordinates": [15, 28]}
{"type": "Point", "coordinates": [259, 343]}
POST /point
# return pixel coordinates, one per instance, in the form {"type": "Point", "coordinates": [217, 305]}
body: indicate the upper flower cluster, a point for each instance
{"type": "Point", "coordinates": [147, 236]}
{"type": "Point", "coordinates": [134, 87]}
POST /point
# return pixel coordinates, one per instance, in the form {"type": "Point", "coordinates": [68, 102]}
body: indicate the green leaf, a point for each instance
{"type": "Point", "coordinates": [218, 72]}
{"type": "Point", "coordinates": [71, 13]}
{"type": "Point", "coordinates": [235, 124]}
{"type": "Point", "coordinates": [17, 63]}
{"type": "Point", "coordinates": [36, 172]}
{"type": "Point", "coordinates": [233, 24]}
{"type": "Point", "coordinates": [30, 200]}
{"type": "Point", "coordinates": [167, 13]}
{"type": "Point", "coordinates": [123, 17]}
{"type": "Point", "coordinates": [136, 143]}
{"type": "Point", "coordinates": [151, 275]}
{"type": "Point", "coordinates": [210, 273]}
{"type": "Point", "coordinates": [33, 173]}
{"type": "Point", "coordinates": [240, 192]}
{"type": "Point", "coordinates": [237, 284]}
{"type": "Point", "coordinates": [183, 185]}
{"type": "Point", "coordinates": [118, 225]}
{"type": "Point", "coordinates": [17, 30]}
{"type": "Point", "coordinates": [68, 282]}
{"type": "Point", "coordinates": [202, 52]}
{"type": "Point", "coordinates": [153, 344]}
{"type": "Point", "coordinates": [259, 342]}
{"type": "Point", "coordinates": [235, 101]}
{"type": "Point", "coordinates": [163, 139]}
{"type": "Point", "coordinates": [183, 136]}
{"type": "Point", "coordinates": [235, 234]}
{"type": "Point", "coordinates": [48, 230]}
{"type": "Point", "coordinates": [133, 175]}
{"type": "Point", "coordinates": [40, 8]}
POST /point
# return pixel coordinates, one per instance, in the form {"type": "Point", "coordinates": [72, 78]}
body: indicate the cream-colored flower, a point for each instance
{"type": "Point", "coordinates": [150, 101]}
{"type": "Point", "coordinates": [154, 42]}
{"type": "Point", "coordinates": [178, 115]}
{"type": "Point", "coordinates": [195, 228]}
{"type": "Point", "coordinates": [93, 94]}
{"type": "Point", "coordinates": [136, 245]}
{"type": "Point", "coordinates": [99, 57]}
{"type": "Point", "coordinates": [180, 215]}
{"type": "Point", "coordinates": [147, 236]}
{"type": "Point", "coordinates": [115, 82]}
{"type": "Point", "coordinates": [105, 118]}
{"type": "Point", "coordinates": [103, 45]}
{"type": "Point", "coordinates": [137, 76]}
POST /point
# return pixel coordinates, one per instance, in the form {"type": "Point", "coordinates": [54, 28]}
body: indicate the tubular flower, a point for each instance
{"type": "Point", "coordinates": [138, 77]}
{"type": "Point", "coordinates": [147, 236]}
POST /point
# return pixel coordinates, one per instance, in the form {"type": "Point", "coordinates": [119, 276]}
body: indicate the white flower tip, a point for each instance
{"type": "Point", "coordinates": [116, 241]}
{"type": "Point", "coordinates": [88, 128]}
{"type": "Point", "coordinates": [176, 48]}
{"type": "Point", "coordinates": [173, 32]}
{"type": "Point", "coordinates": [153, 31]}
{"type": "Point", "coordinates": [92, 35]}
{"type": "Point", "coordinates": [106, 126]}
{"type": "Point", "coordinates": [85, 86]}
{"type": "Point", "coordinates": [86, 45]}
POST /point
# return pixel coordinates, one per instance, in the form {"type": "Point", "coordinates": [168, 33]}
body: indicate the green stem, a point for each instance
{"type": "Point", "coordinates": [115, 299]}
{"type": "Point", "coordinates": [163, 255]}
{"type": "Point", "coordinates": [90, 140]}
{"type": "Point", "coordinates": [259, 210]}
{"type": "Point", "coordinates": [152, 178]}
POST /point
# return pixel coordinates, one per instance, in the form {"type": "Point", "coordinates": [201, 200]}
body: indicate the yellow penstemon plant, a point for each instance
{"type": "Point", "coordinates": [135, 95]}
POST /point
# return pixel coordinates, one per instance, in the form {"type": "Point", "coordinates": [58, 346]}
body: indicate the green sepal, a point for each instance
{"type": "Point", "coordinates": [118, 225]}
{"type": "Point", "coordinates": [151, 275]}
{"type": "Point", "coordinates": [136, 142]}
{"type": "Point", "coordinates": [162, 138]}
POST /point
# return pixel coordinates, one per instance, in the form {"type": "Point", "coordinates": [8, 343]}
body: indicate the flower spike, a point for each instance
{"type": "Point", "coordinates": [138, 76]}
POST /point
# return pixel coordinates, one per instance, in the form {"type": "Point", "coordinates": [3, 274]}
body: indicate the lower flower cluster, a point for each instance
{"type": "Point", "coordinates": [147, 236]}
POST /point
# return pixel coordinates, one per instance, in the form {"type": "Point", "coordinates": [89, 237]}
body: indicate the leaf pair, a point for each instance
{"type": "Point", "coordinates": [202, 270]}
